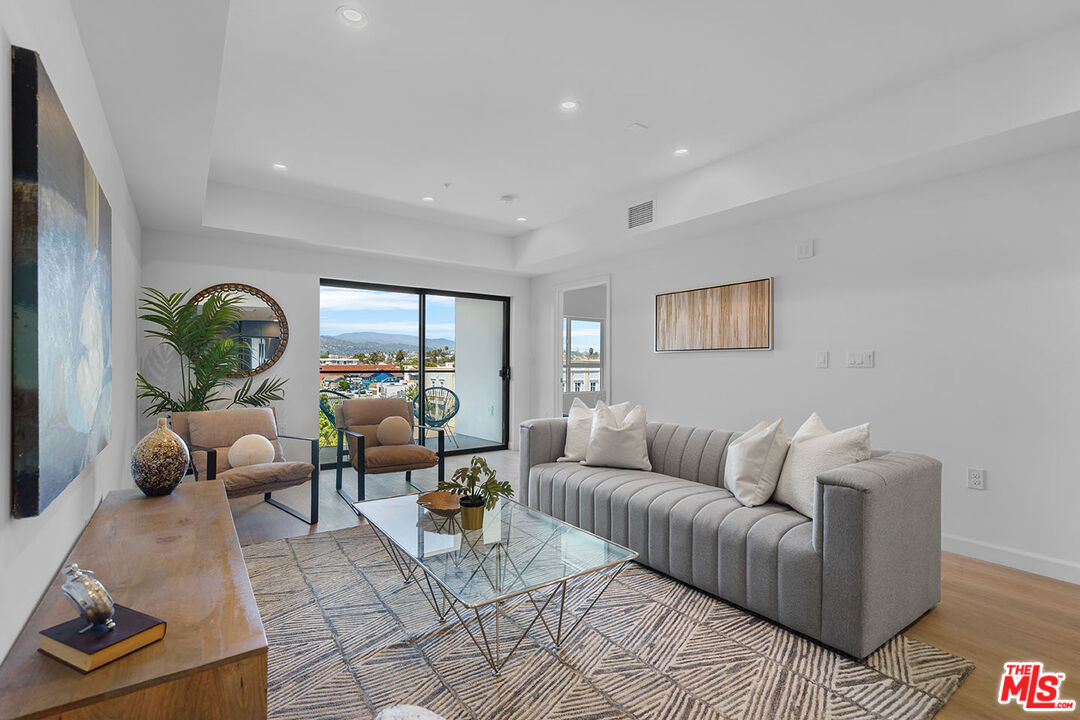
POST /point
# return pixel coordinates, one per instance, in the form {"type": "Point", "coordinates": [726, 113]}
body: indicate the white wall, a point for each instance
{"type": "Point", "coordinates": [967, 288]}
{"type": "Point", "coordinates": [478, 349]}
{"type": "Point", "coordinates": [32, 549]}
{"type": "Point", "coordinates": [290, 274]}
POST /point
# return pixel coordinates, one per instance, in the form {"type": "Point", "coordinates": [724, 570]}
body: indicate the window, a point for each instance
{"type": "Point", "coordinates": [582, 353]}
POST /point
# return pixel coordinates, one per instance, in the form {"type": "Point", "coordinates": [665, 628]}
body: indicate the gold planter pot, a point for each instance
{"type": "Point", "coordinates": [472, 516]}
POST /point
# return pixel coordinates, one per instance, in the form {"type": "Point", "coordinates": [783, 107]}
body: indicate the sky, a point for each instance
{"type": "Point", "coordinates": [585, 335]}
{"type": "Point", "coordinates": [346, 310]}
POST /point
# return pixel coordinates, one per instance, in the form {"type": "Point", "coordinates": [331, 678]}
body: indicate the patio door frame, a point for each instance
{"type": "Point", "coordinates": [422, 294]}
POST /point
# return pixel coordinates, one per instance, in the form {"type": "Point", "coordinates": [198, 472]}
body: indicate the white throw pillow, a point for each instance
{"type": "Point", "coordinates": [251, 450]}
{"type": "Point", "coordinates": [579, 427]}
{"type": "Point", "coordinates": [754, 460]}
{"type": "Point", "coordinates": [618, 442]}
{"type": "Point", "coordinates": [814, 450]}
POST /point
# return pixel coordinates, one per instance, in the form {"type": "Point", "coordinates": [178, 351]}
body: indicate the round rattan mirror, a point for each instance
{"type": "Point", "coordinates": [262, 332]}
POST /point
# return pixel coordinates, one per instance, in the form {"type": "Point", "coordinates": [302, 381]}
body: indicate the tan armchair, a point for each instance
{"type": "Point", "coordinates": [357, 420]}
{"type": "Point", "coordinates": [210, 433]}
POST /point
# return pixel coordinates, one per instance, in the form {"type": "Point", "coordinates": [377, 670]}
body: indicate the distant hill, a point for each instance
{"type": "Point", "coordinates": [365, 342]}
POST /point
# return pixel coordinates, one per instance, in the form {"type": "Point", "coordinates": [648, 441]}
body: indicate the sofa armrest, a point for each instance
{"type": "Point", "coordinates": [877, 527]}
{"type": "Point", "coordinates": [542, 441]}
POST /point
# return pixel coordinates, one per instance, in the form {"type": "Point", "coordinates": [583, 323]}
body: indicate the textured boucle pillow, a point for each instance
{"type": "Point", "coordinates": [251, 450]}
{"type": "Point", "coordinates": [394, 430]}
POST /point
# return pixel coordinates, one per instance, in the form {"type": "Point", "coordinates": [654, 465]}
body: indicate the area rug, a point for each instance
{"type": "Point", "coordinates": [348, 638]}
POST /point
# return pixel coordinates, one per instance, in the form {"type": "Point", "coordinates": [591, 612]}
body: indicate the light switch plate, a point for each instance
{"type": "Point", "coordinates": [823, 359]}
{"type": "Point", "coordinates": [805, 249]}
{"type": "Point", "coordinates": [860, 358]}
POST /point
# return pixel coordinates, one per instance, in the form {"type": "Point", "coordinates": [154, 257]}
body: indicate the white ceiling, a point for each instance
{"type": "Point", "coordinates": [467, 93]}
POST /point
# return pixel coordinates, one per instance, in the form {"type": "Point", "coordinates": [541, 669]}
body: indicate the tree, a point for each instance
{"type": "Point", "coordinates": [324, 354]}
{"type": "Point", "coordinates": [592, 352]}
{"type": "Point", "coordinates": [400, 357]}
{"type": "Point", "coordinates": [343, 384]}
{"type": "Point", "coordinates": [327, 432]}
{"type": "Point", "coordinates": [361, 357]}
{"type": "Point", "coordinates": [202, 336]}
{"type": "Point", "coordinates": [375, 357]}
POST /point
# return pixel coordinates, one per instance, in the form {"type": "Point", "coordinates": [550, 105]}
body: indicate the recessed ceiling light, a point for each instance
{"type": "Point", "coordinates": [681, 152]}
{"type": "Point", "coordinates": [569, 105]}
{"type": "Point", "coordinates": [523, 219]}
{"type": "Point", "coordinates": [280, 167]}
{"type": "Point", "coordinates": [428, 199]}
{"type": "Point", "coordinates": [352, 17]}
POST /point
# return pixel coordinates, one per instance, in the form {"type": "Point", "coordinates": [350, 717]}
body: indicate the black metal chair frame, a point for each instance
{"type": "Point", "coordinates": [361, 462]}
{"type": "Point", "coordinates": [211, 474]}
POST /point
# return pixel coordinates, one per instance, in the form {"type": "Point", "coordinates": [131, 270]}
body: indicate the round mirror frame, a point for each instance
{"type": "Point", "coordinates": [271, 302]}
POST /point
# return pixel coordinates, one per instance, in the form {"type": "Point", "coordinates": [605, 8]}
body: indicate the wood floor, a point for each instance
{"type": "Point", "coordinates": [988, 613]}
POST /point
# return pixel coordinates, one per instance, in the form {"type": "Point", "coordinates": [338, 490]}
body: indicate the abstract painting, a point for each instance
{"type": "Point", "coordinates": [61, 296]}
{"type": "Point", "coordinates": [737, 316]}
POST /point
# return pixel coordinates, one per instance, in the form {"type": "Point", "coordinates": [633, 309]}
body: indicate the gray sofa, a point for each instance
{"type": "Point", "coordinates": [866, 565]}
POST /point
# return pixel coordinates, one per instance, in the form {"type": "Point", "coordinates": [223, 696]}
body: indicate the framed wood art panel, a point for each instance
{"type": "Point", "coordinates": [736, 316]}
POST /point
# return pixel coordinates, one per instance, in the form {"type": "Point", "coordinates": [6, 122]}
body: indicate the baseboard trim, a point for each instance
{"type": "Point", "coordinates": [1012, 557]}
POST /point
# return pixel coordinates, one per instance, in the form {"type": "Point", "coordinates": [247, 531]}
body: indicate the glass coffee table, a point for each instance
{"type": "Point", "coordinates": [519, 552]}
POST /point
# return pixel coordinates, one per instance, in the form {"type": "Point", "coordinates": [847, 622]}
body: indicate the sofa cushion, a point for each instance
{"type": "Point", "coordinates": [267, 477]}
{"type": "Point", "coordinates": [688, 452]}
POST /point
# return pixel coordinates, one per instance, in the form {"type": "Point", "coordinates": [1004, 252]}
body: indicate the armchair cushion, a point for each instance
{"type": "Point", "coordinates": [363, 415]}
{"type": "Point", "coordinates": [399, 458]}
{"type": "Point", "coordinates": [219, 429]}
{"type": "Point", "coordinates": [267, 477]}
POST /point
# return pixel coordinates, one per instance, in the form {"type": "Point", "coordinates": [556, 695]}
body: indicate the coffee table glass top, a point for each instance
{"type": "Point", "coordinates": [519, 549]}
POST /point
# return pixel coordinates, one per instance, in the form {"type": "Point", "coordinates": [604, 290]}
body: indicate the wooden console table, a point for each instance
{"type": "Point", "coordinates": [174, 557]}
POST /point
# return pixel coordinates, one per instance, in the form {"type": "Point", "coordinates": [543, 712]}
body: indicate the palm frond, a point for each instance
{"type": "Point", "coordinates": [268, 391]}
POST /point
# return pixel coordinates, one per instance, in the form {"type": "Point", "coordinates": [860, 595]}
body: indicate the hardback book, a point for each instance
{"type": "Point", "coordinates": [99, 646]}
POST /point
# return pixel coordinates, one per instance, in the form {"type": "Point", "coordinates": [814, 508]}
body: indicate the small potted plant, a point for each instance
{"type": "Point", "coordinates": [478, 489]}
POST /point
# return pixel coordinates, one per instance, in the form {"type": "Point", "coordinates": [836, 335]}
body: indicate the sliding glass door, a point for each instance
{"type": "Point", "coordinates": [446, 353]}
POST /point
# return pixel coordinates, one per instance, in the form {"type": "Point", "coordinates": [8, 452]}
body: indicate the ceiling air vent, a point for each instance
{"type": "Point", "coordinates": [640, 214]}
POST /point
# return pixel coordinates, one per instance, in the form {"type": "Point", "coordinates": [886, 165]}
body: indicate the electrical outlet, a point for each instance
{"type": "Point", "coordinates": [976, 479]}
{"type": "Point", "coordinates": [860, 358]}
{"type": "Point", "coordinates": [823, 359]}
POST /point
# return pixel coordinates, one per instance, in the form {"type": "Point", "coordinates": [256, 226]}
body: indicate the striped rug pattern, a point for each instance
{"type": "Point", "coordinates": [348, 638]}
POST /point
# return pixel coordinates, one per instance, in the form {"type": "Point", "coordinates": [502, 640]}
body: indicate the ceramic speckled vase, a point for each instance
{"type": "Point", "coordinates": [159, 461]}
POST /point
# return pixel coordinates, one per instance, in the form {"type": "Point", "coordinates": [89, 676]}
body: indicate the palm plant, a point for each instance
{"type": "Point", "coordinates": [202, 337]}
